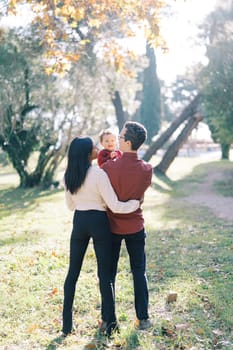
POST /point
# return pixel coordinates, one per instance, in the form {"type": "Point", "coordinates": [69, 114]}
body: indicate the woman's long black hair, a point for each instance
{"type": "Point", "coordinates": [79, 161]}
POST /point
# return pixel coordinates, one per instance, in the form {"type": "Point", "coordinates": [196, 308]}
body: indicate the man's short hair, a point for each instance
{"type": "Point", "coordinates": [135, 133]}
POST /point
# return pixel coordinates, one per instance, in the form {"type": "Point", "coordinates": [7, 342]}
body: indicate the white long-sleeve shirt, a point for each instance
{"type": "Point", "coordinates": [96, 193]}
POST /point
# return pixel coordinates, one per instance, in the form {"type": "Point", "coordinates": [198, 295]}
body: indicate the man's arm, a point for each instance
{"type": "Point", "coordinates": [110, 197]}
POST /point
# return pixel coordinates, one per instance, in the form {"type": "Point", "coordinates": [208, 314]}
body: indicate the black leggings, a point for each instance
{"type": "Point", "coordinates": [90, 224]}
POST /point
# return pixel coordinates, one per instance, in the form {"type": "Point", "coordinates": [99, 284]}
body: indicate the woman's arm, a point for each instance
{"type": "Point", "coordinates": [110, 197]}
{"type": "Point", "coordinates": [69, 200]}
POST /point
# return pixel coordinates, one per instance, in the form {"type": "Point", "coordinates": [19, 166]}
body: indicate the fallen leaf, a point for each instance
{"type": "Point", "coordinates": [32, 328]}
{"type": "Point", "coordinates": [217, 332]}
{"type": "Point", "coordinates": [54, 291]}
{"type": "Point", "coordinates": [90, 346]}
{"type": "Point", "coordinates": [181, 326]}
{"type": "Point", "coordinates": [171, 297]}
{"type": "Point", "coordinates": [200, 331]}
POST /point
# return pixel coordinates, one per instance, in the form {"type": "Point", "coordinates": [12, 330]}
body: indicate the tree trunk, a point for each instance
{"type": "Point", "coordinates": [29, 181]}
{"type": "Point", "coordinates": [189, 110]}
{"type": "Point", "coordinates": [225, 148]}
{"type": "Point", "coordinates": [150, 108]}
{"type": "Point", "coordinates": [116, 100]}
{"type": "Point", "coordinates": [173, 149]}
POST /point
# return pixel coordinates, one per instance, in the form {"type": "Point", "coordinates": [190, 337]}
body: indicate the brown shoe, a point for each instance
{"type": "Point", "coordinates": [143, 324]}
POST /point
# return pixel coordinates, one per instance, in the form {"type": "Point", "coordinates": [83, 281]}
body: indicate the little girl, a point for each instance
{"type": "Point", "coordinates": [109, 142]}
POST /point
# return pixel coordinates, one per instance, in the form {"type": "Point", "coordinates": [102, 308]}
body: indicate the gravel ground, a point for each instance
{"type": "Point", "coordinates": [207, 196]}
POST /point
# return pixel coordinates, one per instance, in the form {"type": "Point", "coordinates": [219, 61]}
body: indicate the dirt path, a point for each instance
{"type": "Point", "coordinates": [205, 195]}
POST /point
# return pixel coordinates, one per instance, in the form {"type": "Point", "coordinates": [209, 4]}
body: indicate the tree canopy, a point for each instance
{"type": "Point", "coordinates": [41, 112]}
{"type": "Point", "coordinates": [67, 28]}
{"type": "Point", "coordinates": [217, 77]}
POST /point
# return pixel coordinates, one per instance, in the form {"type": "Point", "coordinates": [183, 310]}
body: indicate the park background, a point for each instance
{"type": "Point", "coordinates": [76, 70]}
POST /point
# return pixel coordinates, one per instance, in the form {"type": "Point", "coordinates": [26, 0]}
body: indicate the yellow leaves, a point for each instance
{"type": "Point", "coordinates": [129, 33]}
{"type": "Point", "coordinates": [49, 37]}
{"type": "Point", "coordinates": [39, 8]}
{"type": "Point", "coordinates": [70, 12]}
{"type": "Point", "coordinates": [84, 42]}
{"type": "Point", "coordinates": [49, 70]}
{"type": "Point", "coordinates": [155, 29]}
{"type": "Point", "coordinates": [67, 11]}
{"type": "Point", "coordinates": [73, 24]}
{"type": "Point", "coordinates": [79, 14]}
{"type": "Point", "coordinates": [59, 67]}
{"type": "Point", "coordinates": [31, 262]}
{"type": "Point", "coordinates": [61, 19]}
{"type": "Point", "coordinates": [119, 62]}
{"type": "Point", "coordinates": [54, 254]}
{"type": "Point", "coordinates": [130, 73]}
{"type": "Point", "coordinates": [56, 322]}
{"type": "Point", "coordinates": [94, 22]}
{"type": "Point", "coordinates": [59, 62]}
{"type": "Point", "coordinates": [32, 328]}
{"type": "Point", "coordinates": [72, 57]}
{"type": "Point", "coordinates": [12, 7]}
{"type": "Point", "coordinates": [54, 291]}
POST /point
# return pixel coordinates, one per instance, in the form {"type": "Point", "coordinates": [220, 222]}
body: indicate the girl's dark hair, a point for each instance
{"type": "Point", "coordinates": [78, 163]}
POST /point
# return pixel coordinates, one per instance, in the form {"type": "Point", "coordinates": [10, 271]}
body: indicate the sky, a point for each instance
{"type": "Point", "coordinates": [179, 31]}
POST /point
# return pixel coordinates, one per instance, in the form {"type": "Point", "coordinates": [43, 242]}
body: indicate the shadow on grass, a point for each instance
{"type": "Point", "coordinates": [13, 199]}
{"type": "Point", "coordinates": [165, 184]}
{"type": "Point", "coordinates": [98, 341]}
{"type": "Point", "coordinates": [27, 236]}
{"type": "Point", "coordinates": [101, 342]}
{"type": "Point", "coordinates": [55, 343]}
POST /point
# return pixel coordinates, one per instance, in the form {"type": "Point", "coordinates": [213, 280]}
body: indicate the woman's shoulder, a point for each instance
{"type": "Point", "coordinates": [97, 172]}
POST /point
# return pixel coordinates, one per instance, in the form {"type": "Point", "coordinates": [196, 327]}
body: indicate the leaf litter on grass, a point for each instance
{"type": "Point", "coordinates": [188, 251]}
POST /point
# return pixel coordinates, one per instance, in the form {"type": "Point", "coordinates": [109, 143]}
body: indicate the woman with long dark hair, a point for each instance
{"type": "Point", "coordinates": [88, 192]}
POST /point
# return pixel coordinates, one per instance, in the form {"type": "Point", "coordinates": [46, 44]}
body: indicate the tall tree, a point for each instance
{"type": "Point", "coordinates": [23, 87]}
{"type": "Point", "coordinates": [150, 111]}
{"type": "Point", "coordinates": [41, 112]}
{"type": "Point", "coordinates": [175, 146]}
{"type": "Point", "coordinates": [216, 78]}
{"type": "Point", "coordinates": [189, 111]}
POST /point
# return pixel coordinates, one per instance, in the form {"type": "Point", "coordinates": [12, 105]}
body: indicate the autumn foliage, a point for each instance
{"type": "Point", "coordinates": [67, 28]}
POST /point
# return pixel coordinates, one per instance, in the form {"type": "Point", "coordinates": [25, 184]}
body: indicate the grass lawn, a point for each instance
{"type": "Point", "coordinates": [189, 252]}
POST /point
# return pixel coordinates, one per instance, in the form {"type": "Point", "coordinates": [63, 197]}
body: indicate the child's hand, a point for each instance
{"type": "Point", "coordinates": [113, 154]}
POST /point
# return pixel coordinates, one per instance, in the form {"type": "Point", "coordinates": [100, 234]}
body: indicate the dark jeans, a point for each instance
{"type": "Point", "coordinates": [135, 244]}
{"type": "Point", "coordinates": [90, 224]}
